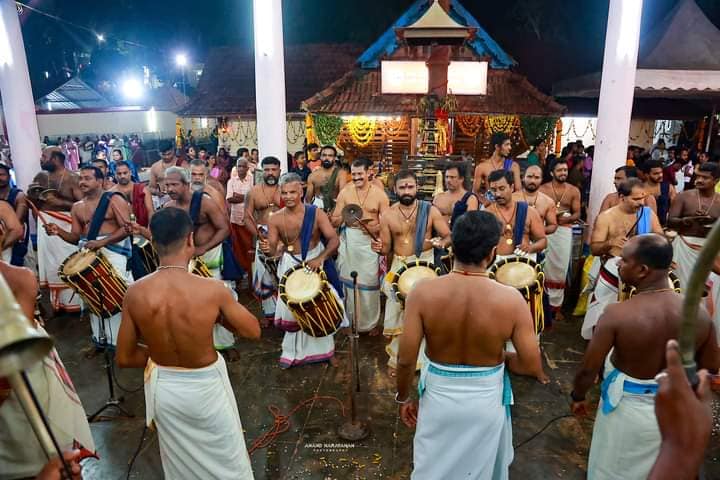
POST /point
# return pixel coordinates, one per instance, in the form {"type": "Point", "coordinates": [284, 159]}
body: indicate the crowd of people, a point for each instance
{"type": "Point", "coordinates": [207, 226]}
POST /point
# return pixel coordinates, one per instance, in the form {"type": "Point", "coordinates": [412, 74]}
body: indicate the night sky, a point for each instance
{"type": "Point", "coordinates": [551, 39]}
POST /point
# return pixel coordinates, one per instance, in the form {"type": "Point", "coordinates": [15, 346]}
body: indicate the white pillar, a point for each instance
{"type": "Point", "coordinates": [616, 98]}
{"type": "Point", "coordinates": [270, 80]}
{"type": "Point", "coordinates": [17, 97]}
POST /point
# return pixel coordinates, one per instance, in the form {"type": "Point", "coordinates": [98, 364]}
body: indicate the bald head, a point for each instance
{"type": "Point", "coordinates": [651, 250]}
{"type": "Point", "coordinates": [532, 178]}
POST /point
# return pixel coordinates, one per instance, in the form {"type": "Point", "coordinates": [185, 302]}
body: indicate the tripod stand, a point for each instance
{"type": "Point", "coordinates": [112, 401]}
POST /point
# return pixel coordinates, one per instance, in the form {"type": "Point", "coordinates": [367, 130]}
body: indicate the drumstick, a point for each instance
{"type": "Point", "coordinates": [36, 211]}
{"type": "Point", "coordinates": [364, 227]}
{"type": "Point", "coordinates": [627, 235]}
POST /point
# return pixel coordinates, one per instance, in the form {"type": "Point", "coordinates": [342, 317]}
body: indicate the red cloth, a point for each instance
{"type": "Point", "coordinates": [242, 246]}
{"type": "Point", "coordinates": [142, 216]}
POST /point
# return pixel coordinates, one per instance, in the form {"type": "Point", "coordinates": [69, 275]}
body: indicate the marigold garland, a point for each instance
{"type": "Point", "coordinates": [469, 125]}
{"type": "Point", "coordinates": [501, 123]}
{"type": "Point", "coordinates": [310, 136]}
{"type": "Point", "coordinates": [392, 129]}
{"type": "Point", "coordinates": [362, 130]}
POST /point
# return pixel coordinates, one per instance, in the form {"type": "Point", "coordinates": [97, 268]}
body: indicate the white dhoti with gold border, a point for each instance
{"type": "Point", "coordinates": [355, 254]}
{"type": "Point", "coordinates": [51, 252]}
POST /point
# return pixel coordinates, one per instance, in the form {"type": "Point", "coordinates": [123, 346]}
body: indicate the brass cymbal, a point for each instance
{"type": "Point", "coordinates": [352, 214]}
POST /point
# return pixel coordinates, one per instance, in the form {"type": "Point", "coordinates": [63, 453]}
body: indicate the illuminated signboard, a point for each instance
{"type": "Point", "coordinates": [411, 77]}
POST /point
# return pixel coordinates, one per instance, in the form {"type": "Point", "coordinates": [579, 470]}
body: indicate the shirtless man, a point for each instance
{"type": "Point", "coordinates": [18, 203]}
{"type": "Point", "coordinates": [500, 159]}
{"type": "Point", "coordinates": [456, 200]}
{"type": "Point", "coordinates": [12, 230]}
{"type": "Point", "coordinates": [355, 253]}
{"type": "Point", "coordinates": [405, 232]}
{"type": "Point", "coordinates": [319, 192]}
{"type": "Point", "coordinates": [663, 192]}
{"type": "Point", "coordinates": [201, 181]}
{"type": "Point", "coordinates": [157, 170]}
{"type": "Point", "coordinates": [463, 422]}
{"type": "Point", "coordinates": [526, 238]}
{"type": "Point", "coordinates": [136, 194]}
{"type": "Point", "coordinates": [285, 240]}
{"type": "Point", "coordinates": [21, 455]}
{"type": "Point", "coordinates": [566, 198]}
{"type": "Point", "coordinates": [111, 213]}
{"type": "Point", "coordinates": [612, 229]}
{"type": "Point", "coordinates": [176, 323]}
{"type": "Point", "coordinates": [62, 182]}
{"type": "Point", "coordinates": [628, 349]}
{"type": "Point", "coordinates": [622, 174]}
{"type": "Point", "coordinates": [261, 203]}
{"type": "Point", "coordinates": [536, 199]}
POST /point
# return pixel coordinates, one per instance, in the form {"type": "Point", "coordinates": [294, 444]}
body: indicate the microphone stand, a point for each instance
{"type": "Point", "coordinates": [112, 401]}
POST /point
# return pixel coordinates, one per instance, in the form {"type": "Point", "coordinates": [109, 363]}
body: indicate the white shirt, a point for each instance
{"type": "Point", "coordinates": [235, 185]}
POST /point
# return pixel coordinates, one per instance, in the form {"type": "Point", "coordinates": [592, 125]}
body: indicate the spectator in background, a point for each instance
{"type": "Point", "coordinates": [203, 154]}
{"type": "Point", "coordinates": [237, 190]}
{"type": "Point", "coordinates": [300, 167]}
{"type": "Point", "coordinates": [313, 156]}
{"type": "Point", "coordinates": [191, 153]}
{"type": "Point", "coordinates": [538, 155]}
{"type": "Point", "coordinates": [117, 156]}
{"type": "Point", "coordinates": [685, 170]}
{"type": "Point", "coordinates": [659, 152]}
{"type": "Point", "coordinates": [254, 157]}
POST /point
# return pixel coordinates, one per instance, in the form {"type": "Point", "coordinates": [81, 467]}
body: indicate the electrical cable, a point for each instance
{"type": "Point", "coordinates": [137, 452]}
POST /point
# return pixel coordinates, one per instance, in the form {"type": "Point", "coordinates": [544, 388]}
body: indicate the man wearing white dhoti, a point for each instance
{"type": "Point", "coordinates": [612, 229]}
{"type": "Point", "coordinates": [98, 223]}
{"type": "Point", "coordinates": [324, 184]}
{"type": "Point", "coordinates": [463, 420]}
{"type": "Point", "coordinates": [188, 396]}
{"type": "Point", "coordinates": [309, 238]}
{"type": "Point", "coordinates": [355, 253]}
{"type": "Point", "coordinates": [261, 203]}
{"type": "Point", "coordinates": [628, 347]}
{"type": "Point", "coordinates": [559, 244]}
{"type": "Point", "coordinates": [21, 455]}
{"type": "Point", "coordinates": [405, 232]}
{"type": "Point", "coordinates": [54, 191]}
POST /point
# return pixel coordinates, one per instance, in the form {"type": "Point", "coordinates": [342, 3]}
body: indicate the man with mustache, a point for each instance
{"type": "Point", "coordinates": [98, 223]}
{"type": "Point", "coordinates": [559, 244]}
{"type": "Point", "coordinates": [210, 229]}
{"type": "Point", "coordinates": [202, 182]}
{"type": "Point", "coordinates": [325, 183]}
{"type": "Point", "coordinates": [261, 203]}
{"type": "Point", "coordinates": [499, 160]}
{"type": "Point", "coordinates": [663, 192]}
{"type": "Point", "coordinates": [613, 228]}
{"type": "Point", "coordinates": [158, 169]}
{"type": "Point", "coordinates": [456, 200]}
{"type": "Point", "coordinates": [355, 253]}
{"type": "Point", "coordinates": [622, 174]}
{"type": "Point", "coordinates": [60, 191]}
{"type": "Point", "coordinates": [406, 231]}
{"type": "Point", "coordinates": [536, 199]}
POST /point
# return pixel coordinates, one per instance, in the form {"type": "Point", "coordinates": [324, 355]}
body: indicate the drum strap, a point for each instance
{"type": "Point", "coordinates": [663, 202]}
{"type": "Point", "coordinates": [307, 229]}
{"type": "Point", "coordinates": [99, 215]}
{"type": "Point", "coordinates": [644, 223]}
{"type": "Point", "coordinates": [507, 164]}
{"type": "Point", "coordinates": [423, 214]}
{"type": "Point", "coordinates": [520, 217]}
{"type": "Point", "coordinates": [460, 207]}
{"type": "Point", "coordinates": [195, 206]}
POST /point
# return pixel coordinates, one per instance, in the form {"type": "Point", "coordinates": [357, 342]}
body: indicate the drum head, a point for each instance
{"type": "Point", "coordinates": [302, 285]}
{"type": "Point", "coordinates": [77, 262]}
{"type": "Point", "coordinates": [410, 277]}
{"type": "Point", "coordinates": [516, 274]}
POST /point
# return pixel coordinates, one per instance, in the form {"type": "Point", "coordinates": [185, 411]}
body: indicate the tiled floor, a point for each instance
{"type": "Point", "coordinates": [311, 449]}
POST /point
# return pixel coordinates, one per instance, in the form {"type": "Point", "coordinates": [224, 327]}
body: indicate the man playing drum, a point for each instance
{"type": "Point", "coordinates": [301, 230]}
{"type": "Point", "coordinates": [325, 183]}
{"type": "Point", "coordinates": [21, 455]}
{"type": "Point", "coordinates": [98, 223]}
{"type": "Point", "coordinates": [261, 203]}
{"type": "Point", "coordinates": [523, 232]}
{"type": "Point", "coordinates": [622, 174]}
{"type": "Point", "coordinates": [210, 228]}
{"type": "Point", "coordinates": [566, 198]}
{"type": "Point", "coordinates": [188, 395]}
{"type": "Point", "coordinates": [58, 190]}
{"type": "Point", "coordinates": [355, 253]}
{"type": "Point", "coordinates": [612, 229]}
{"type": "Point", "coordinates": [463, 424]}
{"type": "Point", "coordinates": [628, 350]}
{"type": "Point", "coordinates": [536, 199]}
{"type": "Point", "coordinates": [406, 231]}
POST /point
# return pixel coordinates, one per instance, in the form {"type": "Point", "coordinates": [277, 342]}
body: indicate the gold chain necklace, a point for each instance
{"type": "Point", "coordinates": [508, 223]}
{"type": "Point", "coordinates": [270, 204]}
{"type": "Point", "coordinates": [168, 267]}
{"type": "Point", "coordinates": [655, 290]}
{"type": "Point", "coordinates": [558, 202]}
{"type": "Point", "coordinates": [406, 232]}
{"type": "Point", "coordinates": [700, 207]}
{"type": "Point", "coordinates": [526, 199]}
{"type": "Point", "coordinates": [367, 194]}
{"type": "Point", "coordinates": [289, 246]}
{"type": "Point", "coordinates": [470, 274]}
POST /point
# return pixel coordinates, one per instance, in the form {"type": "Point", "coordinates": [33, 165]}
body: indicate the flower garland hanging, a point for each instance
{"type": "Point", "coordinates": [470, 125]}
{"type": "Point", "coordinates": [534, 129]}
{"type": "Point", "coordinates": [393, 128]}
{"type": "Point", "coordinates": [501, 123]}
{"type": "Point", "coordinates": [362, 130]}
{"type": "Point", "coordinates": [310, 136]}
{"type": "Point", "coordinates": [327, 128]}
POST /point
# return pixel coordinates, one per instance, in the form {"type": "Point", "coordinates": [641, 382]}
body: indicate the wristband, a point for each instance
{"type": "Point", "coordinates": [401, 402]}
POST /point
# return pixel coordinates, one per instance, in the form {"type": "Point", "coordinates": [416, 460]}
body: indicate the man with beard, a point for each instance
{"type": "Point", "coordinates": [238, 189]}
{"type": "Point", "coordinates": [98, 223]}
{"type": "Point", "coordinates": [325, 183]}
{"type": "Point", "coordinates": [17, 226]}
{"type": "Point", "coordinates": [60, 191]}
{"type": "Point", "coordinates": [663, 192]}
{"type": "Point", "coordinates": [523, 232]}
{"type": "Point", "coordinates": [536, 199]}
{"type": "Point", "coordinates": [102, 165]}
{"type": "Point", "coordinates": [158, 169]}
{"type": "Point", "coordinates": [612, 199]}
{"type": "Point", "coordinates": [500, 160]}
{"type": "Point", "coordinates": [628, 350]}
{"type": "Point", "coordinates": [202, 182]}
{"type": "Point", "coordinates": [307, 236]}
{"type": "Point", "coordinates": [613, 228]}
{"type": "Point", "coordinates": [263, 202]}
{"type": "Point", "coordinates": [456, 200]}
{"type": "Point", "coordinates": [210, 228]}
{"type": "Point", "coordinates": [405, 232]}
{"type": "Point", "coordinates": [566, 198]}
{"type": "Point", "coordinates": [356, 252]}
{"type": "Point", "coordinates": [464, 429]}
